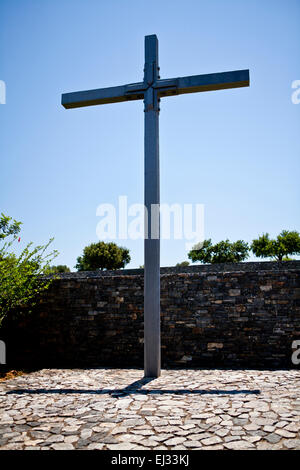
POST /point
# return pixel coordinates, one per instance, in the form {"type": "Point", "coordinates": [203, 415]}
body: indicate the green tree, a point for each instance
{"type": "Point", "coordinates": [286, 243]}
{"type": "Point", "coordinates": [20, 276]}
{"type": "Point", "coordinates": [101, 255]}
{"type": "Point", "coordinates": [222, 252]}
{"type": "Point", "coordinates": [8, 226]}
{"type": "Point", "coordinates": [182, 264]}
{"type": "Point", "coordinates": [60, 268]}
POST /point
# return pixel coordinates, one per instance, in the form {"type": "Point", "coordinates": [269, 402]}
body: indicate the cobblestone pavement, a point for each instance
{"type": "Point", "coordinates": [183, 409]}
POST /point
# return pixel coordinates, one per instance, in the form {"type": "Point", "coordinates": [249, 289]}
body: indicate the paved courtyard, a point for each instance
{"type": "Point", "coordinates": [117, 409]}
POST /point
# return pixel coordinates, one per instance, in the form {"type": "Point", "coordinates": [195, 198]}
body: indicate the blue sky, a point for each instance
{"type": "Point", "coordinates": [235, 151]}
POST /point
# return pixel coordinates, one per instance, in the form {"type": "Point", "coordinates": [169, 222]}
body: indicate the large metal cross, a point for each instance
{"type": "Point", "coordinates": [151, 89]}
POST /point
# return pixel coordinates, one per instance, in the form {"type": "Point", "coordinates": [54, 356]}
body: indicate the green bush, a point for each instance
{"type": "Point", "coordinates": [286, 243]}
{"type": "Point", "coordinates": [101, 255]}
{"type": "Point", "coordinates": [222, 252]}
{"type": "Point", "coordinates": [60, 268]}
{"type": "Point", "coordinates": [20, 276]}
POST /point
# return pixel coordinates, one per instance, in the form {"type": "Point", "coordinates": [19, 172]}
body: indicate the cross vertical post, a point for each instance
{"type": "Point", "coordinates": [152, 358]}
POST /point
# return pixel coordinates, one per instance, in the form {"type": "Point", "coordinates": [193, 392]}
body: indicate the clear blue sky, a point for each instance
{"type": "Point", "coordinates": [235, 151]}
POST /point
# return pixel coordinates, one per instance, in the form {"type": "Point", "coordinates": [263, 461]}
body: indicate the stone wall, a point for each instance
{"type": "Point", "coordinates": [238, 315]}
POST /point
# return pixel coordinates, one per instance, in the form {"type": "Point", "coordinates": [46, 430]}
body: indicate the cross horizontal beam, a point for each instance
{"type": "Point", "coordinates": [167, 87]}
{"type": "Point", "coordinates": [198, 83]}
{"type": "Point", "coordinates": [116, 94]}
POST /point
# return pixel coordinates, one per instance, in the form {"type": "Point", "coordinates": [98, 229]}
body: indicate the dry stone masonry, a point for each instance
{"type": "Point", "coordinates": [237, 316]}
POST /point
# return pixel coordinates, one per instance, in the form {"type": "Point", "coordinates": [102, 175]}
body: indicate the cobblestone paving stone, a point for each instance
{"type": "Point", "coordinates": [118, 409]}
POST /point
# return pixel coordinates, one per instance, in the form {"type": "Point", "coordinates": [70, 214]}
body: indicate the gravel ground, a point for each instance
{"type": "Point", "coordinates": [118, 409]}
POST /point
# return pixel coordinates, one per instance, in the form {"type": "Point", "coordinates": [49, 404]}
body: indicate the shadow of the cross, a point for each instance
{"type": "Point", "coordinates": [134, 388]}
{"type": "Point", "coordinates": [125, 392]}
